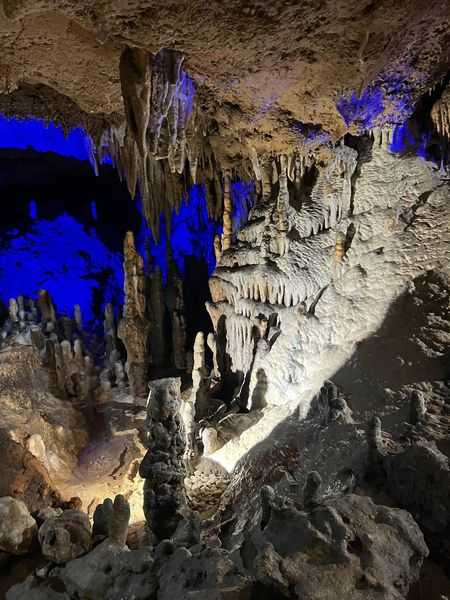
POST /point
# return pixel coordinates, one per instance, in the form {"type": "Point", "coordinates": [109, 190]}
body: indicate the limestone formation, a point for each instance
{"type": "Point", "coordinates": [162, 467]}
{"type": "Point", "coordinates": [111, 520]}
{"type": "Point", "coordinates": [46, 306]}
{"type": "Point", "coordinates": [227, 236]}
{"type": "Point", "coordinates": [18, 529]}
{"type": "Point", "coordinates": [311, 491]}
{"type": "Point", "coordinates": [175, 305]}
{"type": "Point", "coordinates": [440, 113]}
{"type": "Point", "coordinates": [65, 537]}
{"type": "Point", "coordinates": [158, 341]}
{"type": "Point", "coordinates": [133, 328]}
{"type": "Point", "coordinates": [375, 443]}
{"type": "Point", "coordinates": [418, 407]}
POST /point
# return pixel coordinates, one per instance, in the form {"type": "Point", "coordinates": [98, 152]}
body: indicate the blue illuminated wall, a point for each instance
{"type": "Point", "coordinates": [36, 134]}
{"type": "Point", "coordinates": [386, 102]}
{"type": "Point", "coordinates": [192, 234]}
{"type": "Point", "coordinates": [64, 258]}
{"type": "Point", "coordinates": [67, 245]}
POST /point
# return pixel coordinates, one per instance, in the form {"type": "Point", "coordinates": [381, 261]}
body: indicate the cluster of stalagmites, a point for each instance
{"type": "Point", "coordinates": [62, 534]}
{"type": "Point", "coordinates": [62, 345]}
{"type": "Point", "coordinates": [141, 329]}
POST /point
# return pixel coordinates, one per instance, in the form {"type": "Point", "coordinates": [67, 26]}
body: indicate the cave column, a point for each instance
{"type": "Point", "coordinates": [163, 466]}
{"type": "Point", "coordinates": [134, 327]}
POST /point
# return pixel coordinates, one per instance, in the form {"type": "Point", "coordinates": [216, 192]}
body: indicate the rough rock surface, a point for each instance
{"type": "Point", "coordinates": [258, 67]}
{"type": "Point", "coordinates": [28, 410]}
{"type": "Point", "coordinates": [18, 529]}
{"type": "Point", "coordinates": [65, 537]}
{"type": "Point", "coordinates": [419, 480]}
{"type": "Point", "coordinates": [346, 547]}
{"type": "Point", "coordinates": [24, 476]}
{"type": "Point", "coordinates": [163, 467]}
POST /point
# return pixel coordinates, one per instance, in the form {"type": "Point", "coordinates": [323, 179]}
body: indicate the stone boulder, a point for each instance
{"type": "Point", "coordinates": [347, 547]}
{"type": "Point", "coordinates": [419, 479]}
{"type": "Point", "coordinates": [18, 529]}
{"type": "Point", "coordinates": [65, 537]}
{"type": "Point", "coordinates": [24, 476]}
{"type": "Point", "coordinates": [110, 572]}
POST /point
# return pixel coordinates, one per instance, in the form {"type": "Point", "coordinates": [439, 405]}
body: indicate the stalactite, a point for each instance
{"type": "Point", "coordinates": [133, 328]}
{"type": "Point", "coordinates": [135, 79]}
{"type": "Point", "coordinates": [163, 467]}
{"type": "Point", "coordinates": [440, 113]}
{"type": "Point", "coordinates": [282, 207]}
{"type": "Point", "coordinates": [227, 236]}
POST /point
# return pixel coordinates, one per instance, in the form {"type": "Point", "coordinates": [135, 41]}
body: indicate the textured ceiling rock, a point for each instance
{"type": "Point", "coordinates": [261, 69]}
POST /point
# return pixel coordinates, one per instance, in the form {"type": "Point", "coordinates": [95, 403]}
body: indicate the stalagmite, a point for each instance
{"type": "Point", "coordinates": [339, 251]}
{"type": "Point", "coordinates": [227, 235]}
{"type": "Point", "coordinates": [175, 302]}
{"type": "Point", "coordinates": [77, 316]}
{"type": "Point", "coordinates": [418, 408]}
{"type": "Point", "coordinates": [163, 467]}
{"type": "Point", "coordinates": [311, 491]}
{"type": "Point", "coordinates": [212, 344]}
{"type": "Point", "coordinates": [217, 248]}
{"type": "Point", "coordinates": [133, 329]}
{"type": "Point", "coordinates": [13, 310]}
{"type": "Point", "coordinates": [46, 306]}
{"type": "Point", "coordinates": [156, 309]}
{"type": "Point", "coordinates": [200, 382]}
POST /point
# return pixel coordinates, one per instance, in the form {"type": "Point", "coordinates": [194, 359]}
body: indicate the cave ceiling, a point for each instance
{"type": "Point", "coordinates": [263, 70]}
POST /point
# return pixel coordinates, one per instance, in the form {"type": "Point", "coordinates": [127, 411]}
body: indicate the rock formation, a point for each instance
{"type": "Point", "coordinates": [301, 451]}
{"type": "Point", "coordinates": [65, 537]}
{"type": "Point", "coordinates": [162, 467]}
{"type": "Point", "coordinates": [134, 328]}
{"type": "Point", "coordinates": [18, 529]}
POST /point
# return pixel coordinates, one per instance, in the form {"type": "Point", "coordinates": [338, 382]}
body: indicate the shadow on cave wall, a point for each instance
{"type": "Point", "coordinates": [409, 347]}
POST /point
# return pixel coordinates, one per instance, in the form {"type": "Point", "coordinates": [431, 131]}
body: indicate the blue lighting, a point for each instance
{"type": "Point", "coordinates": [310, 134]}
{"type": "Point", "coordinates": [94, 210]}
{"type": "Point", "coordinates": [32, 210]}
{"type": "Point", "coordinates": [36, 134]}
{"type": "Point", "coordinates": [186, 93]}
{"type": "Point", "coordinates": [388, 101]}
{"type": "Point", "coordinates": [362, 109]}
{"type": "Point", "coordinates": [192, 231]}
{"type": "Point", "coordinates": [405, 140]}
{"type": "Point", "coordinates": [67, 260]}
{"type": "Point", "coordinates": [192, 234]}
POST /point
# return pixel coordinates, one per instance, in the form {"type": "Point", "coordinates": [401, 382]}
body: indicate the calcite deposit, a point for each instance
{"type": "Point", "coordinates": [254, 400]}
